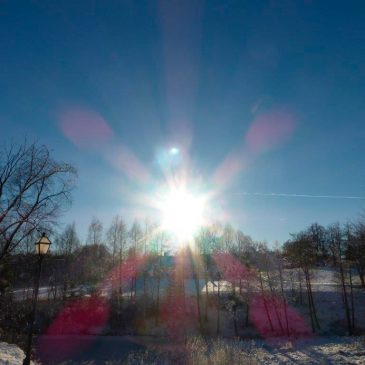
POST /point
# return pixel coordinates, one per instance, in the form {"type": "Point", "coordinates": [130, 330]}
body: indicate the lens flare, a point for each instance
{"type": "Point", "coordinates": [182, 213]}
{"type": "Point", "coordinates": [174, 151]}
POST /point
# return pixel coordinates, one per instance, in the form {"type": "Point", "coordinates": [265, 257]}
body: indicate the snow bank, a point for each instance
{"type": "Point", "coordinates": [11, 354]}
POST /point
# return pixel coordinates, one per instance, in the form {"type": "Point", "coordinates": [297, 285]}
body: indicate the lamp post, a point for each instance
{"type": "Point", "coordinates": [41, 246]}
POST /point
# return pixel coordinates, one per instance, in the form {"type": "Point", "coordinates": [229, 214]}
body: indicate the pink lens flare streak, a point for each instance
{"type": "Point", "coordinates": [87, 315]}
{"type": "Point", "coordinates": [270, 130]}
{"type": "Point", "coordinates": [79, 317]}
{"type": "Point", "coordinates": [84, 127]}
{"type": "Point", "coordinates": [272, 316]}
{"type": "Point", "coordinates": [179, 315]}
{"type": "Point", "coordinates": [236, 162]}
{"type": "Point", "coordinates": [87, 129]}
{"type": "Point", "coordinates": [230, 267]}
{"type": "Point", "coordinates": [125, 160]}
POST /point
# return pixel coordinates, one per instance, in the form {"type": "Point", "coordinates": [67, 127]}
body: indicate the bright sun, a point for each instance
{"type": "Point", "coordinates": [182, 213]}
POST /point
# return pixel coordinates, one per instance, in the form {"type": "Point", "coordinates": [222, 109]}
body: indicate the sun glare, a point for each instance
{"type": "Point", "coordinates": [182, 213]}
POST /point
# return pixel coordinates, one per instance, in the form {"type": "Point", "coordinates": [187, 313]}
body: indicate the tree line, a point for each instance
{"type": "Point", "coordinates": [235, 278]}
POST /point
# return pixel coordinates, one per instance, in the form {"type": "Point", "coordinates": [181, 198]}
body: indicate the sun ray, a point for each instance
{"type": "Point", "coordinates": [182, 212]}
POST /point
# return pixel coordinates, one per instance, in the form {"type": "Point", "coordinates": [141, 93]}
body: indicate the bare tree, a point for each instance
{"type": "Point", "coordinates": [317, 234]}
{"type": "Point", "coordinates": [96, 247]}
{"type": "Point", "coordinates": [95, 232]}
{"type": "Point", "coordinates": [205, 242]}
{"type": "Point", "coordinates": [302, 252]}
{"type": "Point", "coordinates": [356, 248]}
{"type": "Point", "coordinates": [337, 248]}
{"type": "Point", "coordinates": [148, 232]}
{"type": "Point", "coordinates": [116, 239]}
{"type": "Point", "coordinates": [116, 236]}
{"type": "Point", "coordinates": [197, 267]}
{"type": "Point", "coordinates": [34, 190]}
{"type": "Point", "coordinates": [68, 241]}
{"type": "Point", "coordinates": [136, 238]}
{"type": "Point", "coordinates": [267, 276]}
{"type": "Point", "coordinates": [160, 240]}
{"type": "Point", "coordinates": [228, 237]}
{"type": "Point", "coordinates": [27, 245]}
{"type": "Point", "coordinates": [136, 242]}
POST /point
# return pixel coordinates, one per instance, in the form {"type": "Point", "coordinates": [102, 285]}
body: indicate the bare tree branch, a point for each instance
{"type": "Point", "coordinates": [34, 190]}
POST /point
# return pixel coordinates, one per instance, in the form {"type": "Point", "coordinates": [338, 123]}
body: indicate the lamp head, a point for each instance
{"type": "Point", "coordinates": [42, 245]}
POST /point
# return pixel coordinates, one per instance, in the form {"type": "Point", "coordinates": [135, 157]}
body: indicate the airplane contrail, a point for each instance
{"type": "Point", "coordinates": [307, 196]}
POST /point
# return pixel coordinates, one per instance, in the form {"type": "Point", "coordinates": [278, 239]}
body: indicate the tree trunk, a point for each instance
{"type": "Point", "coordinates": [346, 303]}
{"type": "Point", "coordinates": [274, 302]}
{"type": "Point", "coordinates": [206, 295]}
{"type": "Point", "coordinates": [247, 313]}
{"type": "Point", "coordinates": [300, 289]}
{"type": "Point", "coordinates": [235, 320]}
{"type": "Point", "coordinates": [352, 302]}
{"type": "Point", "coordinates": [157, 320]}
{"type": "Point", "coordinates": [158, 300]}
{"type": "Point", "coordinates": [265, 304]}
{"type": "Point", "coordinates": [218, 309]}
{"type": "Point", "coordinates": [284, 300]}
{"type": "Point", "coordinates": [120, 274]}
{"type": "Point", "coordinates": [248, 303]}
{"type": "Point", "coordinates": [145, 277]}
{"type": "Point", "coordinates": [312, 308]}
{"type": "Point", "coordinates": [361, 275]}
{"type": "Point", "coordinates": [313, 305]}
{"type": "Point", "coordinates": [196, 280]}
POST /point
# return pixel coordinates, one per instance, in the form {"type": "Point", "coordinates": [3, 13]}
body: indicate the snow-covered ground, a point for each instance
{"type": "Point", "coordinates": [321, 350]}
{"type": "Point", "coordinates": [328, 299]}
{"type": "Point", "coordinates": [117, 349]}
{"type": "Point", "coordinates": [315, 351]}
{"type": "Point", "coordinates": [11, 354]}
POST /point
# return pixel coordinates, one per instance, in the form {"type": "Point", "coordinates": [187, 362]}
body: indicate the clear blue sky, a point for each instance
{"type": "Point", "coordinates": [262, 96]}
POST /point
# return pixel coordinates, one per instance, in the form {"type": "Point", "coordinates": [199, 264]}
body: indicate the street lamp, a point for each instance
{"type": "Point", "coordinates": [41, 247]}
